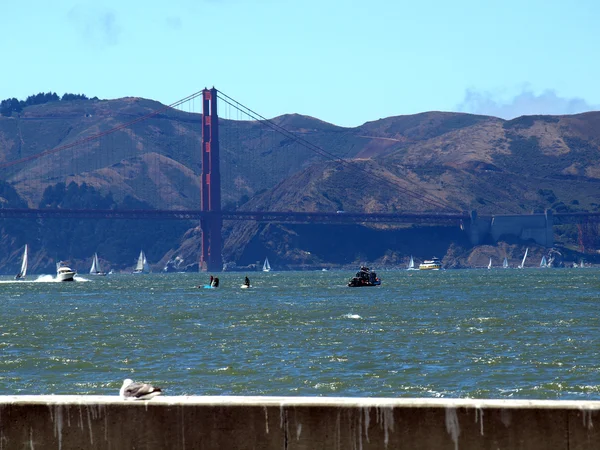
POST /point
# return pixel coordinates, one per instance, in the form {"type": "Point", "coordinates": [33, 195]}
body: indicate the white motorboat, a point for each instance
{"type": "Point", "coordinates": [64, 272]}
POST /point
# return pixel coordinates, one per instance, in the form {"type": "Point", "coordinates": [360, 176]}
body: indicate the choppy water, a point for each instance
{"type": "Point", "coordinates": [529, 333]}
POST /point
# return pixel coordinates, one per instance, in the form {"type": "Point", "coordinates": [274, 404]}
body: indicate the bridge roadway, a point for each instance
{"type": "Point", "coordinates": [260, 216]}
{"type": "Point", "coordinates": [441, 218]}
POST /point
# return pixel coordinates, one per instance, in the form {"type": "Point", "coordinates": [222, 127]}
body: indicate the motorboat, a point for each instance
{"type": "Point", "coordinates": [64, 272]}
{"type": "Point", "coordinates": [431, 264]}
{"type": "Point", "coordinates": [364, 277]}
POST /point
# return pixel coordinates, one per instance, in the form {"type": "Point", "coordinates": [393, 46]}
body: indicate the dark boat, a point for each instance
{"type": "Point", "coordinates": [364, 277]}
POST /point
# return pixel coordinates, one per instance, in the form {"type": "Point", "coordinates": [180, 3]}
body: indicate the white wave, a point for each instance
{"type": "Point", "coordinates": [351, 316]}
{"type": "Point", "coordinates": [52, 279]}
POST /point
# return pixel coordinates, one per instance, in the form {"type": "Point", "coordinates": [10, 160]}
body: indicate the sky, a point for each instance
{"type": "Point", "coordinates": [342, 61]}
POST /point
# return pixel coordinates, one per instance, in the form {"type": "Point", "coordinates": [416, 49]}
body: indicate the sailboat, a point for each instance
{"type": "Point", "coordinates": [95, 269]}
{"type": "Point", "coordinates": [411, 264]}
{"type": "Point", "coordinates": [266, 265]}
{"type": "Point", "coordinates": [543, 262]}
{"type": "Point", "coordinates": [142, 265]}
{"type": "Point", "coordinates": [524, 258]}
{"type": "Point", "coordinates": [490, 263]}
{"type": "Point", "coordinates": [23, 270]}
{"type": "Point", "coordinates": [505, 263]}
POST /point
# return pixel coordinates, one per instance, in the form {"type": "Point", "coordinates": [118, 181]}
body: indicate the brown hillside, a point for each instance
{"type": "Point", "coordinates": [404, 163]}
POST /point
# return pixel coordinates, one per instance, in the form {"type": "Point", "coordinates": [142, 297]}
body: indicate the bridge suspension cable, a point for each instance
{"type": "Point", "coordinates": [330, 156]}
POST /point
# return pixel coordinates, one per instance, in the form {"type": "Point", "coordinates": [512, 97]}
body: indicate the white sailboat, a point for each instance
{"type": "Point", "coordinates": [543, 262]}
{"type": "Point", "coordinates": [266, 265]}
{"type": "Point", "coordinates": [95, 269]}
{"type": "Point", "coordinates": [490, 263]}
{"type": "Point", "coordinates": [524, 258]}
{"type": "Point", "coordinates": [23, 270]}
{"type": "Point", "coordinates": [142, 264]}
{"type": "Point", "coordinates": [411, 264]}
{"type": "Point", "coordinates": [505, 263]}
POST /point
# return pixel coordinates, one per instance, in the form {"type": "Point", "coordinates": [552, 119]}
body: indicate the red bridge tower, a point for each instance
{"type": "Point", "coordinates": [210, 185]}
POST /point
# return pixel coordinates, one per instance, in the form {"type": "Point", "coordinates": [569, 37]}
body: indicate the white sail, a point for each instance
{"type": "Point", "coordinates": [95, 264]}
{"type": "Point", "coordinates": [524, 258]}
{"type": "Point", "coordinates": [543, 262]}
{"type": "Point", "coordinates": [23, 270]}
{"type": "Point", "coordinates": [490, 263]}
{"type": "Point", "coordinates": [505, 263]}
{"type": "Point", "coordinates": [411, 264]}
{"type": "Point", "coordinates": [96, 269]}
{"type": "Point", "coordinates": [142, 265]}
{"type": "Point", "coordinates": [266, 265]}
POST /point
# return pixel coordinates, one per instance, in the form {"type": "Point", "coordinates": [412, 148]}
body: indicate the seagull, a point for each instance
{"type": "Point", "coordinates": [138, 391]}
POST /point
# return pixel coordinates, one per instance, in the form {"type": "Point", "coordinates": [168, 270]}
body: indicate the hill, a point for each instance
{"type": "Point", "coordinates": [407, 163]}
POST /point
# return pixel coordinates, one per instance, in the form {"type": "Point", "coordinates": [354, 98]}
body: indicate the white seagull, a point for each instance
{"type": "Point", "coordinates": [138, 391]}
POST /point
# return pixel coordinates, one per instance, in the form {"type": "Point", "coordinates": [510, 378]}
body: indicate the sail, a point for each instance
{"type": "Point", "coordinates": [543, 262]}
{"type": "Point", "coordinates": [145, 265]}
{"type": "Point", "coordinates": [505, 263]}
{"type": "Point", "coordinates": [411, 264]}
{"type": "Point", "coordinates": [142, 265]}
{"type": "Point", "coordinates": [490, 263]}
{"type": "Point", "coordinates": [95, 264]}
{"type": "Point", "coordinates": [524, 258]}
{"type": "Point", "coordinates": [266, 265]}
{"type": "Point", "coordinates": [23, 270]}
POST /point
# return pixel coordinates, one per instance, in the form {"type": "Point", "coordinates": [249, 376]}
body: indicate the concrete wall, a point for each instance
{"type": "Point", "coordinates": [537, 227]}
{"type": "Point", "coordinates": [94, 422]}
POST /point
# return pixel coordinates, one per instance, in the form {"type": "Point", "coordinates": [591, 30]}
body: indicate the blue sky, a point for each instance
{"type": "Point", "coordinates": [345, 62]}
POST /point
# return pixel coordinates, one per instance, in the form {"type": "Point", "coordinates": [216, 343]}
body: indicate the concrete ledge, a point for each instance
{"type": "Point", "coordinates": [190, 422]}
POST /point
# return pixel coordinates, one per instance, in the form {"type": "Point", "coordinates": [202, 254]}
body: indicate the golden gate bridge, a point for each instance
{"type": "Point", "coordinates": [86, 155]}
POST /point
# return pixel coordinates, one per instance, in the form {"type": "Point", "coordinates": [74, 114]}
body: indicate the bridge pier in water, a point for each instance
{"type": "Point", "coordinates": [210, 185]}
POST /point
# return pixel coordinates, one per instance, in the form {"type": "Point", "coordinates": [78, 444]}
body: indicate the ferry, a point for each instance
{"type": "Point", "coordinates": [431, 264]}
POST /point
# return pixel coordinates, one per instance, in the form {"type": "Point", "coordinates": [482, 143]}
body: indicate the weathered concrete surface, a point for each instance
{"type": "Point", "coordinates": [94, 422]}
{"type": "Point", "coordinates": [537, 227]}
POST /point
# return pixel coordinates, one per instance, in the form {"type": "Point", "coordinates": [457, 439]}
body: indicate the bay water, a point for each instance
{"type": "Point", "coordinates": [521, 334]}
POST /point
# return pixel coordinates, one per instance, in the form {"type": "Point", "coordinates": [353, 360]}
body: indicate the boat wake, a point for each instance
{"type": "Point", "coordinates": [42, 279]}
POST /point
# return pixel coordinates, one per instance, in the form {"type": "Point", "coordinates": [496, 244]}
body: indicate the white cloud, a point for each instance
{"type": "Point", "coordinates": [98, 25]}
{"type": "Point", "coordinates": [524, 103]}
